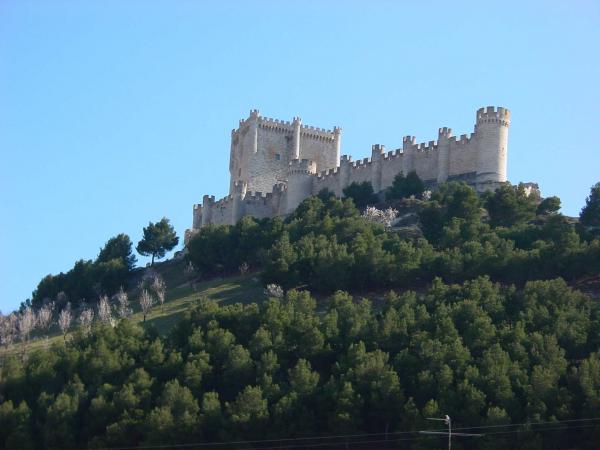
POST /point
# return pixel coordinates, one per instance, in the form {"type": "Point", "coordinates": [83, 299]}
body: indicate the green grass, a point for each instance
{"type": "Point", "coordinates": [179, 297]}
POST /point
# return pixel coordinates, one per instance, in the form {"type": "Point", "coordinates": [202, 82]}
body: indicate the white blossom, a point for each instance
{"type": "Point", "coordinates": [146, 302]}
{"type": "Point", "coordinates": [64, 321]}
{"type": "Point", "coordinates": [44, 319]}
{"type": "Point", "coordinates": [384, 217]}
{"type": "Point", "coordinates": [123, 309]}
{"type": "Point", "coordinates": [160, 288]}
{"type": "Point", "coordinates": [8, 328]}
{"type": "Point", "coordinates": [26, 324]}
{"type": "Point", "coordinates": [86, 318]}
{"type": "Point", "coordinates": [104, 313]}
{"type": "Point", "coordinates": [273, 291]}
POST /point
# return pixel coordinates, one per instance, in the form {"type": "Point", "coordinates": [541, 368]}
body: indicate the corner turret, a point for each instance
{"type": "Point", "coordinates": [491, 133]}
{"type": "Point", "coordinates": [299, 182]}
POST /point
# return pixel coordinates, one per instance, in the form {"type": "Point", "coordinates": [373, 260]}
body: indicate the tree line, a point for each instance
{"type": "Point", "coordinates": [90, 280]}
{"type": "Point", "coordinates": [327, 245]}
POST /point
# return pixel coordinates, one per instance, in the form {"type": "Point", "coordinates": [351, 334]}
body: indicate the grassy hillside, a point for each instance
{"type": "Point", "coordinates": [179, 296]}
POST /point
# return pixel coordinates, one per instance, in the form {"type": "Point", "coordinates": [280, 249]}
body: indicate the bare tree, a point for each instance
{"type": "Point", "coordinates": [8, 329]}
{"type": "Point", "coordinates": [244, 268]}
{"type": "Point", "coordinates": [44, 319]}
{"type": "Point", "coordinates": [123, 308]}
{"type": "Point", "coordinates": [146, 302]}
{"type": "Point", "coordinates": [64, 321]}
{"type": "Point", "coordinates": [160, 288]}
{"type": "Point", "coordinates": [104, 313]}
{"type": "Point", "coordinates": [190, 274]}
{"type": "Point", "coordinates": [273, 291]}
{"type": "Point", "coordinates": [86, 318]}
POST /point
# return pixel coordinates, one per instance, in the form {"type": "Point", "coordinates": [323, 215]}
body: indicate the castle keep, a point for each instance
{"type": "Point", "coordinates": [275, 165]}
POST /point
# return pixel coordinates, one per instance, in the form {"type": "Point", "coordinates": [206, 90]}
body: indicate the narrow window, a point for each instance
{"type": "Point", "coordinates": [240, 172]}
{"type": "Point", "coordinates": [277, 156]}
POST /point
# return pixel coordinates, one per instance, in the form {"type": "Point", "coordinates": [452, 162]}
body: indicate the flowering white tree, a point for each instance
{"type": "Point", "coordinates": [146, 302]}
{"type": "Point", "coordinates": [44, 319]}
{"type": "Point", "coordinates": [426, 196]}
{"type": "Point", "coordinates": [104, 313]}
{"type": "Point", "coordinates": [190, 273]}
{"type": "Point", "coordinates": [8, 329]}
{"type": "Point", "coordinates": [64, 321]}
{"type": "Point", "coordinates": [384, 217]}
{"type": "Point", "coordinates": [26, 324]}
{"type": "Point", "coordinates": [123, 309]}
{"type": "Point", "coordinates": [244, 268]}
{"type": "Point", "coordinates": [273, 291]}
{"type": "Point", "coordinates": [86, 318]}
{"type": "Point", "coordinates": [160, 288]}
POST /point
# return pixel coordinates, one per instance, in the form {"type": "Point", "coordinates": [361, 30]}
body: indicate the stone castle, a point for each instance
{"type": "Point", "coordinates": [275, 165]}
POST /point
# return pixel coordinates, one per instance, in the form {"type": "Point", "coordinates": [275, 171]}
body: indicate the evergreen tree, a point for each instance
{"type": "Point", "coordinates": [361, 193]}
{"type": "Point", "coordinates": [590, 214]}
{"type": "Point", "coordinates": [508, 206]}
{"type": "Point", "coordinates": [158, 239]}
{"type": "Point", "coordinates": [550, 205]}
{"type": "Point", "coordinates": [405, 186]}
{"type": "Point", "coordinates": [117, 247]}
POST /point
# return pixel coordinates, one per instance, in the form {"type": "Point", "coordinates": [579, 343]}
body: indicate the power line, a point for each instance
{"type": "Point", "coordinates": [364, 435]}
{"type": "Point", "coordinates": [412, 439]}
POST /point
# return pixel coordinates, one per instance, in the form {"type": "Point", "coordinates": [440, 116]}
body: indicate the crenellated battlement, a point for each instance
{"type": "Point", "coordinates": [445, 132]}
{"type": "Point", "coordinates": [393, 154]}
{"type": "Point", "coordinates": [490, 114]}
{"type": "Point", "coordinates": [464, 139]}
{"type": "Point", "coordinates": [423, 147]}
{"type": "Point", "coordinates": [361, 164]}
{"type": "Point", "coordinates": [276, 125]}
{"type": "Point", "coordinates": [312, 132]}
{"type": "Point", "coordinates": [302, 166]}
{"type": "Point", "coordinates": [326, 173]}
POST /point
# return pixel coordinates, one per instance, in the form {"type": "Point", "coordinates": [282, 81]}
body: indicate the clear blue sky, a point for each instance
{"type": "Point", "coordinates": [117, 113]}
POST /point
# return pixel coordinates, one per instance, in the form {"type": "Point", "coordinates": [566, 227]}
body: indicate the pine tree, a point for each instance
{"type": "Point", "coordinates": [158, 239]}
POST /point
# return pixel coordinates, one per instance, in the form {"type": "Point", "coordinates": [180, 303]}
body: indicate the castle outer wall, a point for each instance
{"type": "Point", "coordinates": [274, 165]}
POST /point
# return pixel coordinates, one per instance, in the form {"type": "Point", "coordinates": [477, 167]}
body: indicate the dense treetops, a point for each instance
{"type": "Point", "coordinates": [327, 245]}
{"type": "Point", "coordinates": [482, 354]}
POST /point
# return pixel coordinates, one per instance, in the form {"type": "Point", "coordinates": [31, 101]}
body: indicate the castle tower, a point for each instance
{"type": "Point", "coordinates": [207, 203]}
{"type": "Point", "coordinates": [408, 151]}
{"type": "Point", "coordinates": [239, 192]}
{"type": "Point", "coordinates": [197, 223]}
{"type": "Point", "coordinates": [299, 182]}
{"type": "Point", "coordinates": [337, 139]}
{"type": "Point", "coordinates": [297, 124]}
{"type": "Point", "coordinates": [444, 154]}
{"type": "Point", "coordinates": [377, 152]}
{"type": "Point", "coordinates": [491, 133]}
{"type": "Point", "coordinates": [345, 164]}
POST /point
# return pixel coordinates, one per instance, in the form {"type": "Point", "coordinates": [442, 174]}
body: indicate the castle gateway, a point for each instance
{"type": "Point", "coordinates": [275, 165]}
